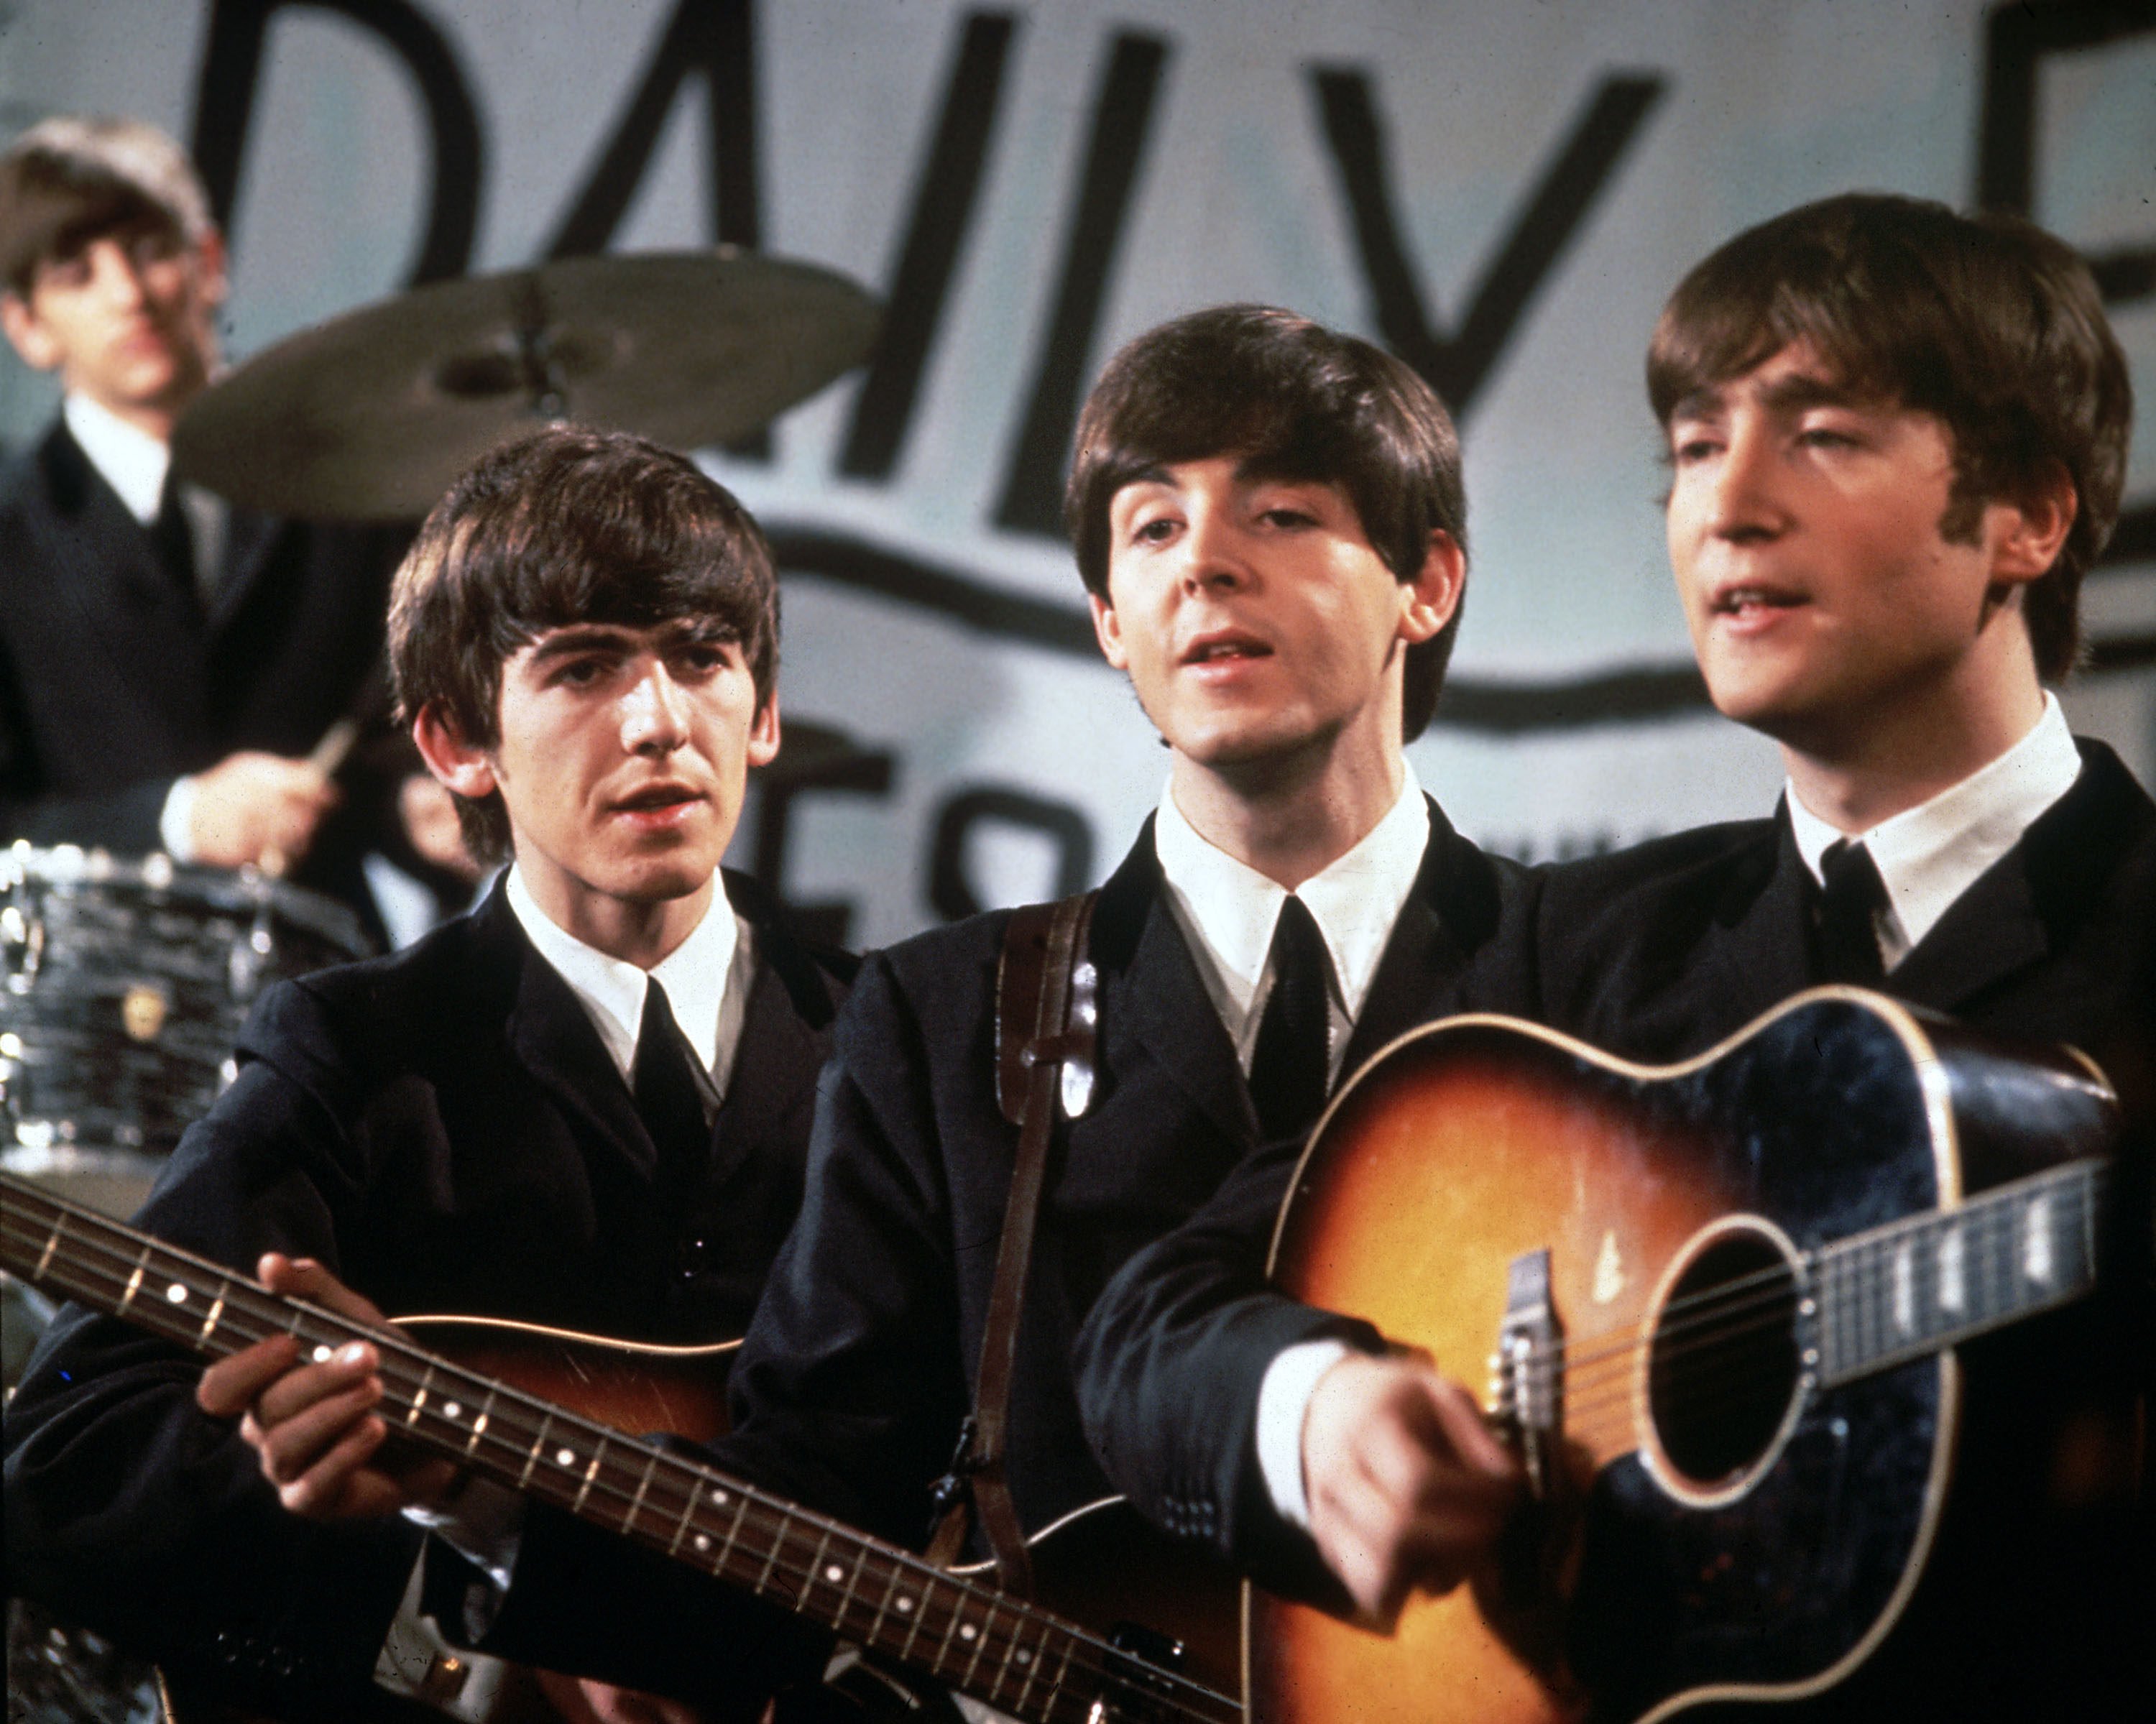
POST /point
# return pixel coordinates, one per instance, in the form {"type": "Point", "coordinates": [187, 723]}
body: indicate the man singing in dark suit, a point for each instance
{"type": "Point", "coordinates": [1268, 520]}
{"type": "Point", "coordinates": [167, 660]}
{"type": "Point", "coordinates": [1898, 436]}
{"type": "Point", "coordinates": [585, 1105]}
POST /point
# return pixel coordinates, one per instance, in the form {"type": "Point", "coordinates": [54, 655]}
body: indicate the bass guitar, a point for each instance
{"type": "Point", "coordinates": [1027, 1660]}
{"type": "Point", "coordinates": [1720, 1303]}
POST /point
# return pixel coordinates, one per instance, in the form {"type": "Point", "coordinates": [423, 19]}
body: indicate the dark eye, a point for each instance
{"type": "Point", "coordinates": [1826, 437]}
{"type": "Point", "coordinates": [1686, 450]}
{"type": "Point", "coordinates": [705, 658]}
{"type": "Point", "coordinates": [580, 673]}
{"type": "Point", "coordinates": [1156, 530]}
{"type": "Point", "coordinates": [1287, 516]}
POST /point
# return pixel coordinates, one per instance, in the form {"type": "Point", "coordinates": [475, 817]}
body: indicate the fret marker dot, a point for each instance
{"type": "Point", "coordinates": [905, 1607]}
{"type": "Point", "coordinates": [703, 1540]}
{"type": "Point", "coordinates": [176, 1294]}
{"type": "Point", "coordinates": [321, 1355]}
{"type": "Point", "coordinates": [834, 1574]}
{"type": "Point", "coordinates": [567, 1457]}
{"type": "Point", "coordinates": [967, 1632]}
{"type": "Point", "coordinates": [719, 1499]}
{"type": "Point", "coordinates": [450, 1409]}
{"type": "Point", "coordinates": [1022, 1656]}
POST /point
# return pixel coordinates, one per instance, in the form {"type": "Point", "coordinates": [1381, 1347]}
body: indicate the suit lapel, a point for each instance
{"type": "Point", "coordinates": [1154, 996]}
{"type": "Point", "coordinates": [552, 1037]}
{"type": "Point", "coordinates": [2025, 905]}
{"type": "Point", "coordinates": [1452, 911]}
{"type": "Point", "coordinates": [249, 540]}
{"type": "Point", "coordinates": [1758, 949]}
{"type": "Point", "coordinates": [108, 568]}
{"type": "Point", "coordinates": [780, 1052]}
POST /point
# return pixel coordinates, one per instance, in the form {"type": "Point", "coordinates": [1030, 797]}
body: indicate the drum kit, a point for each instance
{"type": "Point", "coordinates": [124, 980]}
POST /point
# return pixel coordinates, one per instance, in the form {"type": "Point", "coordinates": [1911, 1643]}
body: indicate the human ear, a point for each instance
{"type": "Point", "coordinates": [2030, 530]}
{"type": "Point", "coordinates": [1428, 602]}
{"type": "Point", "coordinates": [456, 763]}
{"type": "Point", "coordinates": [209, 266]}
{"type": "Point", "coordinates": [763, 733]}
{"type": "Point", "coordinates": [26, 333]}
{"type": "Point", "coordinates": [1108, 630]}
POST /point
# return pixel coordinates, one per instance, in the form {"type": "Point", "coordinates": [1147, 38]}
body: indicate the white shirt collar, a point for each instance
{"type": "Point", "coordinates": [127, 457]}
{"type": "Point", "coordinates": [1226, 909]}
{"type": "Point", "coordinates": [706, 978]}
{"type": "Point", "coordinates": [1930, 855]}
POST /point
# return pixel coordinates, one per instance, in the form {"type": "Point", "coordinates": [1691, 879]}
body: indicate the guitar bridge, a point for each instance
{"type": "Point", "coordinates": [1528, 1370]}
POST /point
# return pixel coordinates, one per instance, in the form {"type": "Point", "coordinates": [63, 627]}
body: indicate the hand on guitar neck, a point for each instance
{"type": "Point", "coordinates": [310, 1420]}
{"type": "Point", "coordinates": [1409, 1489]}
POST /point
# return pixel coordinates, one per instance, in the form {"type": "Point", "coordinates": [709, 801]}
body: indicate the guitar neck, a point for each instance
{"type": "Point", "coordinates": [1022, 1660]}
{"type": "Point", "coordinates": [1916, 1286]}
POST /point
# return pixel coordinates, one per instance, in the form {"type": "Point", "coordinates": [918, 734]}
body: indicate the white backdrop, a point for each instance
{"type": "Point", "coordinates": [1504, 193]}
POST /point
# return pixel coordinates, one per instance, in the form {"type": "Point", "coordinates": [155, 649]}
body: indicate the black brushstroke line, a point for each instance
{"type": "Point", "coordinates": [2017, 37]}
{"type": "Point", "coordinates": [942, 209]}
{"type": "Point", "coordinates": [1615, 697]}
{"type": "Point", "coordinates": [1636, 695]}
{"type": "Point", "coordinates": [1457, 366]}
{"type": "Point", "coordinates": [1122, 116]}
{"type": "Point", "coordinates": [229, 81]}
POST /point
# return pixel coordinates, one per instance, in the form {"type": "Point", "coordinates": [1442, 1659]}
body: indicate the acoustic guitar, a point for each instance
{"type": "Point", "coordinates": [1031, 1662]}
{"type": "Point", "coordinates": [1719, 1302]}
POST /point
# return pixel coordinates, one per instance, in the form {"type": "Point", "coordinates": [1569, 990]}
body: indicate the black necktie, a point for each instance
{"type": "Point", "coordinates": [1289, 1070]}
{"type": "Point", "coordinates": [174, 534]}
{"type": "Point", "coordinates": [673, 1093]}
{"type": "Point", "coordinates": [1850, 901]}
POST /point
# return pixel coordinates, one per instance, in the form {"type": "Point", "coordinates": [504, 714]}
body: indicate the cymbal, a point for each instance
{"type": "Point", "coordinates": [372, 415]}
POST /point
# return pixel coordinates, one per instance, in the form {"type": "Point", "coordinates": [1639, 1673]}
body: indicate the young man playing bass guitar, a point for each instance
{"type": "Point", "coordinates": [1898, 438]}
{"type": "Point", "coordinates": [1268, 520]}
{"type": "Point", "coordinates": [586, 1105]}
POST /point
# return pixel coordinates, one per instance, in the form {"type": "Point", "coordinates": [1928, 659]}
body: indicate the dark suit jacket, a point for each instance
{"type": "Point", "coordinates": [2039, 1597]}
{"type": "Point", "coordinates": [1658, 952]}
{"type": "Point", "coordinates": [444, 1130]}
{"type": "Point", "coordinates": [112, 684]}
{"type": "Point", "coordinates": [858, 1371]}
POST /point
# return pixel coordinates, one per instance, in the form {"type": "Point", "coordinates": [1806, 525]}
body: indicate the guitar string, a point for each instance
{"type": "Point", "coordinates": [1100, 1661]}
{"type": "Point", "coordinates": [930, 1630]}
{"type": "Point", "coordinates": [1024, 1680]}
{"type": "Point", "coordinates": [1712, 1303]}
{"type": "Point", "coordinates": [1714, 1310]}
{"type": "Point", "coordinates": [1987, 1233]}
{"type": "Point", "coordinates": [1990, 1235]}
{"type": "Point", "coordinates": [1680, 1377]}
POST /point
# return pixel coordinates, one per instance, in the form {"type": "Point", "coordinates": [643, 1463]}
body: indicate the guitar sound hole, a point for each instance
{"type": "Point", "coordinates": [1724, 1362]}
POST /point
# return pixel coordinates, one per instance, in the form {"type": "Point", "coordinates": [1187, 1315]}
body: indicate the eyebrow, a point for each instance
{"type": "Point", "coordinates": [1789, 394]}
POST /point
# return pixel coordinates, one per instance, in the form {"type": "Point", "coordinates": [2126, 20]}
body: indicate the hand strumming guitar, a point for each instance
{"type": "Point", "coordinates": [1408, 1489]}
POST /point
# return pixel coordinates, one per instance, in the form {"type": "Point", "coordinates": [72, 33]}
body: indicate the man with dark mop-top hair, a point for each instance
{"type": "Point", "coordinates": [1269, 521]}
{"type": "Point", "coordinates": [1898, 438]}
{"type": "Point", "coordinates": [167, 660]}
{"type": "Point", "coordinates": [586, 1105]}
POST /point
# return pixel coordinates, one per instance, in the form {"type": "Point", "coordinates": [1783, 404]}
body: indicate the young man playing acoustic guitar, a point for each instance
{"type": "Point", "coordinates": [1897, 438]}
{"type": "Point", "coordinates": [1268, 520]}
{"type": "Point", "coordinates": [586, 1105]}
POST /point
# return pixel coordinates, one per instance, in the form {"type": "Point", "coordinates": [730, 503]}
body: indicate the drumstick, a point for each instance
{"type": "Point", "coordinates": [325, 757]}
{"type": "Point", "coordinates": [329, 754]}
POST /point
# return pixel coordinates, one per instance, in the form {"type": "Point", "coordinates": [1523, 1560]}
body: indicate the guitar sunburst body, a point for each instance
{"type": "Point", "coordinates": [1746, 1481]}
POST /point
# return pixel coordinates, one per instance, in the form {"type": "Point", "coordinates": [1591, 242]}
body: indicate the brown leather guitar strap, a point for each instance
{"type": "Point", "coordinates": [1045, 1008]}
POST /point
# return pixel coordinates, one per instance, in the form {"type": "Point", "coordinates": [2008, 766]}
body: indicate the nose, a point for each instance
{"type": "Point", "coordinates": [1213, 552]}
{"type": "Point", "coordinates": [655, 712]}
{"type": "Point", "coordinates": [1744, 502]}
{"type": "Point", "coordinates": [117, 274]}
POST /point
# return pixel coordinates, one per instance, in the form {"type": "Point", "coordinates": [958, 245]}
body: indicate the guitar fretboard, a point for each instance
{"type": "Point", "coordinates": [1917, 1285]}
{"type": "Point", "coordinates": [1016, 1657]}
